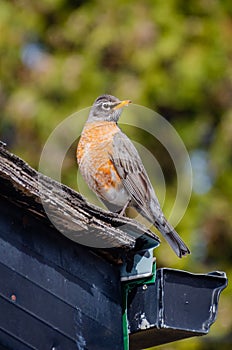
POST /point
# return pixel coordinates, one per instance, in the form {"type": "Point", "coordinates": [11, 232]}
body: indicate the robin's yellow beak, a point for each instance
{"type": "Point", "coordinates": [122, 104]}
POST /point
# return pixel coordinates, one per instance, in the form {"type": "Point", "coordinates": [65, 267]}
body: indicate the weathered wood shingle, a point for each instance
{"type": "Point", "coordinates": [80, 221]}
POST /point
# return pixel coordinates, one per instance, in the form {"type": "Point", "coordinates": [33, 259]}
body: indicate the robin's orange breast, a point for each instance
{"type": "Point", "coordinates": [93, 156]}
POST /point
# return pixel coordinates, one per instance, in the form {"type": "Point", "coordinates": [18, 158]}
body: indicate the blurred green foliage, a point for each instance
{"type": "Point", "coordinates": [172, 56]}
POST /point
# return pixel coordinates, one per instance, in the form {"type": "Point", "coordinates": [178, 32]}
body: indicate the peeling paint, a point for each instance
{"type": "Point", "coordinates": [144, 323]}
{"type": "Point", "coordinates": [80, 340]}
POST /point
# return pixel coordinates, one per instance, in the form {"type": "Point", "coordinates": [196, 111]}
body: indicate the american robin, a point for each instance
{"type": "Point", "coordinates": [112, 168]}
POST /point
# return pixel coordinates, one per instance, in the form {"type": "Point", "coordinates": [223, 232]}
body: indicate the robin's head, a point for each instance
{"type": "Point", "coordinates": [107, 108]}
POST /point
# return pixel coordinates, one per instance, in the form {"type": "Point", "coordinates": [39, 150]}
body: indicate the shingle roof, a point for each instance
{"type": "Point", "coordinates": [73, 216]}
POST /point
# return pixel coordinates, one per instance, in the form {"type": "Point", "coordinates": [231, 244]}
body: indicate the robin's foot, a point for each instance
{"type": "Point", "coordinates": [122, 212]}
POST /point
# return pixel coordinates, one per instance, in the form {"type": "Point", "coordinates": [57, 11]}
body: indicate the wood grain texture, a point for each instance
{"type": "Point", "coordinates": [73, 215]}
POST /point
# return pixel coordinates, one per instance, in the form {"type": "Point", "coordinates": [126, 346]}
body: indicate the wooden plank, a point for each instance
{"type": "Point", "coordinates": [54, 292]}
{"type": "Point", "coordinates": [77, 219]}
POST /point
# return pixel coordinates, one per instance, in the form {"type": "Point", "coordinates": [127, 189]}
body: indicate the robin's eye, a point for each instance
{"type": "Point", "coordinates": [106, 106]}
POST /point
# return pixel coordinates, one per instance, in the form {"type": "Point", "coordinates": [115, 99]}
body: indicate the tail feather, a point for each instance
{"type": "Point", "coordinates": [160, 222]}
{"type": "Point", "coordinates": [176, 243]}
{"type": "Point", "coordinates": [172, 237]}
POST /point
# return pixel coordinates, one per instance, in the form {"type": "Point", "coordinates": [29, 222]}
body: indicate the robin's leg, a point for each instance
{"type": "Point", "coordinates": [122, 212]}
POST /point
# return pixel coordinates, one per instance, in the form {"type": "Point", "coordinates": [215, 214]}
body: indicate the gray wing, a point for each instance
{"type": "Point", "coordinates": [135, 179]}
{"type": "Point", "coordinates": [130, 168]}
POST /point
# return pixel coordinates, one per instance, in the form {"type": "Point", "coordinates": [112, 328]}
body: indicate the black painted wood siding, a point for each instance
{"type": "Point", "coordinates": [54, 293]}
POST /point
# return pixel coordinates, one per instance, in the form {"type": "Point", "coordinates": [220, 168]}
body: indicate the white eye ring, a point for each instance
{"type": "Point", "coordinates": [106, 106]}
